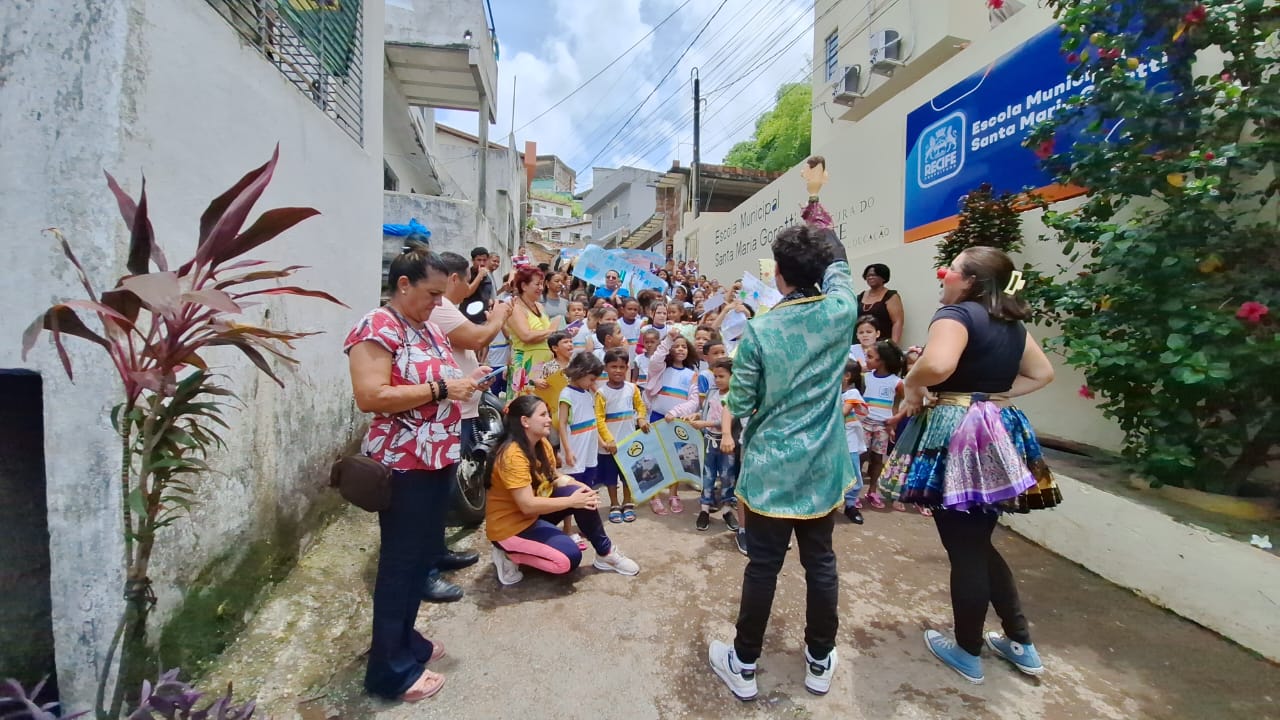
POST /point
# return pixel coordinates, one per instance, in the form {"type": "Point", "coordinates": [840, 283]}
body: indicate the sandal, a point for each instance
{"type": "Point", "coordinates": [676, 505]}
{"type": "Point", "coordinates": [427, 685]}
{"type": "Point", "coordinates": [876, 501]}
{"type": "Point", "coordinates": [615, 514]}
{"type": "Point", "coordinates": [925, 511]}
{"type": "Point", "coordinates": [629, 513]}
{"type": "Point", "coordinates": [897, 505]}
{"type": "Point", "coordinates": [582, 544]}
{"type": "Point", "coordinates": [657, 507]}
{"type": "Point", "coordinates": [437, 651]}
{"type": "Point", "coordinates": [858, 503]}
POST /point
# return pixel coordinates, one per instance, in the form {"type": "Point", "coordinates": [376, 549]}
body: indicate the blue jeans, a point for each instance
{"type": "Point", "coordinates": [851, 496]}
{"type": "Point", "coordinates": [718, 466]}
{"type": "Point", "coordinates": [412, 533]}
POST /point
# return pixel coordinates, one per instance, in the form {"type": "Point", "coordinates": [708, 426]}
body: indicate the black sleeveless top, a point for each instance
{"type": "Point", "coordinates": [879, 311]}
{"type": "Point", "coordinates": [990, 360]}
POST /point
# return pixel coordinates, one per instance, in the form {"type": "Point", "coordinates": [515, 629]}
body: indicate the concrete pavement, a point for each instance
{"type": "Point", "coordinates": [598, 645]}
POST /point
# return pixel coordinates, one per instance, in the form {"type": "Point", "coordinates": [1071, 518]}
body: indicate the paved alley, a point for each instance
{"type": "Point", "coordinates": [598, 645]}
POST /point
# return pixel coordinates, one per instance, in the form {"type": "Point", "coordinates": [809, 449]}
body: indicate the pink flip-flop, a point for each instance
{"type": "Point", "coordinates": [876, 501]}
{"type": "Point", "coordinates": [657, 506]}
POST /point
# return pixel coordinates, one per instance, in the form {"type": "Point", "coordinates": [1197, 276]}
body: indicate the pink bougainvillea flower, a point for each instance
{"type": "Point", "coordinates": [1085, 392]}
{"type": "Point", "coordinates": [1045, 149]}
{"type": "Point", "coordinates": [995, 4]}
{"type": "Point", "coordinates": [942, 273]}
{"type": "Point", "coordinates": [1252, 312]}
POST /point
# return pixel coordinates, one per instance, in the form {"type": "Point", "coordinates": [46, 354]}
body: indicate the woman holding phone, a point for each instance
{"type": "Point", "coordinates": [528, 328]}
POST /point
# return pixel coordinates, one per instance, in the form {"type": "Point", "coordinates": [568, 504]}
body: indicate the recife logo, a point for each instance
{"type": "Point", "coordinates": [941, 150]}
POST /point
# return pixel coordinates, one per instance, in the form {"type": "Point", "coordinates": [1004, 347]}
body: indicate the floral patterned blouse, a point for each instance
{"type": "Point", "coordinates": [426, 437]}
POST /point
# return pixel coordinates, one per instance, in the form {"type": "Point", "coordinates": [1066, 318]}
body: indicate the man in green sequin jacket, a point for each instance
{"type": "Point", "coordinates": [796, 468]}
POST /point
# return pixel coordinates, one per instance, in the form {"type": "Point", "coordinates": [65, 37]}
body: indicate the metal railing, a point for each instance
{"type": "Point", "coordinates": [316, 44]}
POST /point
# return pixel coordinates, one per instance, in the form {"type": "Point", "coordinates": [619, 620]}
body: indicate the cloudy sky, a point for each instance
{"type": "Point", "coordinates": [550, 47]}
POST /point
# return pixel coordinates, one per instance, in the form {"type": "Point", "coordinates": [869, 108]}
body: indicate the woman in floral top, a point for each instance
{"type": "Point", "coordinates": [402, 371]}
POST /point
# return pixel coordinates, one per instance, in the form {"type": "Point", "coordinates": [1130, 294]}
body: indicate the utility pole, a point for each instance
{"type": "Point", "coordinates": [697, 135]}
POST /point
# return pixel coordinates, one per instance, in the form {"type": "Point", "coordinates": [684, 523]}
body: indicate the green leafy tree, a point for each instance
{"type": "Point", "coordinates": [1171, 261]}
{"type": "Point", "coordinates": [781, 139]}
{"type": "Point", "coordinates": [985, 219]}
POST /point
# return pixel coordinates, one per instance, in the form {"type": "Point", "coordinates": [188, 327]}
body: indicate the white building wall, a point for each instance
{"type": "Point", "coordinates": [866, 161]}
{"type": "Point", "coordinates": [168, 88]}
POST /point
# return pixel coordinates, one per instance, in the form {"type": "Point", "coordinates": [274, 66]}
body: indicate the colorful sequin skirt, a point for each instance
{"type": "Point", "coordinates": [968, 453]}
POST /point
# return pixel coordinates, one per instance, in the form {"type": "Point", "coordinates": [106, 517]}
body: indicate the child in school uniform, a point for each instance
{"type": "Point", "coordinates": [580, 426]}
{"type": "Point", "coordinates": [718, 467]}
{"type": "Point", "coordinates": [672, 392]}
{"type": "Point", "coordinates": [623, 410]}
{"type": "Point", "coordinates": [854, 408]}
{"type": "Point", "coordinates": [649, 340]}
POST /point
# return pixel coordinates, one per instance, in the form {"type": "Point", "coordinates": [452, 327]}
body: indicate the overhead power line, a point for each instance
{"type": "Point", "coordinates": [639, 126]}
{"type": "Point", "coordinates": [602, 70]}
{"type": "Point", "coordinates": [655, 87]}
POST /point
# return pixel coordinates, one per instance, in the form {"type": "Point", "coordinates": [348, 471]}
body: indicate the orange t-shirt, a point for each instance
{"type": "Point", "coordinates": [503, 518]}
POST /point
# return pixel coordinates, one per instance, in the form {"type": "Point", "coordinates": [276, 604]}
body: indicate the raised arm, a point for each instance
{"type": "Point", "coordinates": [658, 365]}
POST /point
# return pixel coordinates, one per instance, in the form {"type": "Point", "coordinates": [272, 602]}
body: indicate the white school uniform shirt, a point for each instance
{"type": "Point", "coordinates": [641, 364]}
{"type": "Point", "coordinates": [854, 434]}
{"type": "Point", "coordinates": [499, 351]}
{"type": "Point", "coordinates": [620, 409]}
{"type": "Point", "coordinates": [631, 333]}
{"type": "Point", "coordinates": [580, 338]}
{"type": "Point", "coordinates": [880, 394]}
{"type": "Point", "coordinates": [584, 438]}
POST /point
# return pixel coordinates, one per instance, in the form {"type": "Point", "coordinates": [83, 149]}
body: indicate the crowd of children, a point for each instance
{"type": "Point", "coordinates": [618, 369]}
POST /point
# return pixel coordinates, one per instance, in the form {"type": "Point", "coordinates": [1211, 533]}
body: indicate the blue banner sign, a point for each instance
{"type": "Point", "coordinates": [973, 132]}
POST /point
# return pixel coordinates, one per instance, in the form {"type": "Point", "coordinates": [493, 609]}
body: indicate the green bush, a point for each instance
{"type": "Point", "coordinates": [1173, 257]}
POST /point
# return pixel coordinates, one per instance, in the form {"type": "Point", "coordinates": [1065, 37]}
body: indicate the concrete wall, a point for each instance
{"type": "Point", "coordinates": [865, 197]}
{"type": "Point", "coordinates": [445, 23]}
{"type": "Point", "coordinates": [168, 88]}
{"type": "Point", "coordinates": [504, 190]}
{"type": "Point", "coordinates": [405, 147]}
{"type": "Point", "coordinates": [1221, 583]}
{"type": "Point", "coordinates": [452, 222]}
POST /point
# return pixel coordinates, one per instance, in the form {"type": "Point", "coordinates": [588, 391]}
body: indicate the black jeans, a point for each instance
{"type": "Point", "coordinates": [412, 532]}
{"type": "Point", "coordinates": [767, 539]}
{"type": "Point", "coordinates": [979, 577]}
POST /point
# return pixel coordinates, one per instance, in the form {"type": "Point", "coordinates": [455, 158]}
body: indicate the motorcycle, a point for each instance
{"type": "Point", "coordinates": [472, 478]}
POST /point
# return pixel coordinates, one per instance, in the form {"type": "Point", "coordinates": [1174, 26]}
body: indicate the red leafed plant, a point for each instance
{"type": "Point", "coordinates": [156, 327]}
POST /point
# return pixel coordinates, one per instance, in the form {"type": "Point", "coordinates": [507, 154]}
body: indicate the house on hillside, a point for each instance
{"type": "Point", "coordinates": [551, 174]}
{"type": "Point", "coordinates": [621, 204]}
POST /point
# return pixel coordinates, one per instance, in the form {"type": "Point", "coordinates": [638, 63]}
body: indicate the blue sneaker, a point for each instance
{"type": "Point", "coordinates": [953, 656]}
{"type": "Point", "coordinates": [1023, 657]}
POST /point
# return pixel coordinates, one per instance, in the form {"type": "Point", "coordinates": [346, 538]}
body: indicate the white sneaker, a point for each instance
{"type": "Point", "coordinates": [818, 674]}
{"type": "Point", "coordinates": [617, 562]}
{"type": "Point", "coordinates": [508, 572]}
{"type": "Point", "coordinates": [740, 677]}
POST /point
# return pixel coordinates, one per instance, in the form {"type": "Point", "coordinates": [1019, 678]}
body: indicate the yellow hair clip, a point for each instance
{"type": "Point", "coordinates": [1016, 283]}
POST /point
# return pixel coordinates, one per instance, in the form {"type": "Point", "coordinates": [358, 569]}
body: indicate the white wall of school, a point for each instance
{"type": "Point", "coordinates": [866, 161]}
{"type": "Point", "coordinates": [168, 89]}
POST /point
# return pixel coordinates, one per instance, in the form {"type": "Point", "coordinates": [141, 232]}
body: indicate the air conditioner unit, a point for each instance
{"type": "Point", "coordinates": [847, 89]}
{"type": "Point", "coordinates": [886, 51]}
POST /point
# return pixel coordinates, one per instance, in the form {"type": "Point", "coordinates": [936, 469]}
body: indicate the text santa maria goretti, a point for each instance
{"type": "Point", "coordinates": [750, 234]}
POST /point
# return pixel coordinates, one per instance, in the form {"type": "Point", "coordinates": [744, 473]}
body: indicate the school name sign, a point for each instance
{"type": "Point", "coordinates": [973, 132]}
